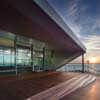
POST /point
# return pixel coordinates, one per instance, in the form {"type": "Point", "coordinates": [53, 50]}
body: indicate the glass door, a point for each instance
{"type": "Point", "coordinates": [23, 59]}
{"type": "Point", "coordinates": [38, 60]}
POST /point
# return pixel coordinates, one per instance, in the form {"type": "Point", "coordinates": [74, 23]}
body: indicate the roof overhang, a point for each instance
{"type": "Point", "coordinates": [38, 20]}
{"type": "Point", "coordinates": [57, 18]}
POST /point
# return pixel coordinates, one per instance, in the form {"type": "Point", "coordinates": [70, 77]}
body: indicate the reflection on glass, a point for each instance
{"type": "Point", "coordinates": [25, 53]}
{"type": "Point", "coordinates": [23, 57]}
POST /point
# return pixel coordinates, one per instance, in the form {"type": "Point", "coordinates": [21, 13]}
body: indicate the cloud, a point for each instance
{"type": "Point", "coordinates": [72, 8]}
{"type": "Point", "coordinates": [75, 28]}
{"type": "Point", "coordinates": [71, 16]}
{"type": "Point", "coordinates": [92, 42]}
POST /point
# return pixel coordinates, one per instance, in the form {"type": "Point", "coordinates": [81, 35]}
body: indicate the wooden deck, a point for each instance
{"type": "Point", "coordinates": [24, 86]}
{"type": "Point", "coordinates": [90, 92]}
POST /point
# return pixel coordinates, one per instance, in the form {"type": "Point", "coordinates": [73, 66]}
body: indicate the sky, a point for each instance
{"type": "Point", "coordinates": [83, 18]}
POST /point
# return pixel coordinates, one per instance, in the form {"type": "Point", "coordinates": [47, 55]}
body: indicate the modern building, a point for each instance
{"type": "Point", "coordinates": [33, 36]}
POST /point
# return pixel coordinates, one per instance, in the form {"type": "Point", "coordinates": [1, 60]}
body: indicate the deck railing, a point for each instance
{"type": "Point", "coordinates": [78, 68]}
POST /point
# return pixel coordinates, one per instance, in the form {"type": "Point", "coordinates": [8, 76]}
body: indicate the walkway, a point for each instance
{"type": "Point", "coordinates": [24, 86]}
{"type": "Point", "coordinates": [91, 92]}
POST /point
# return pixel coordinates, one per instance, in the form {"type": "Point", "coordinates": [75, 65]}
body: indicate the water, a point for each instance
{"type": "Point", "coordinates": [93, 68]}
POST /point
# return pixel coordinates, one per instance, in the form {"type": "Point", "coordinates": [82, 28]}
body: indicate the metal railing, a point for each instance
{"type": "Point", "coordinates": [78, 68]}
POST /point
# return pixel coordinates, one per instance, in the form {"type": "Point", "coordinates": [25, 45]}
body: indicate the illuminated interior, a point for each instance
{"type": "Point", "coordinates": [26, 54]}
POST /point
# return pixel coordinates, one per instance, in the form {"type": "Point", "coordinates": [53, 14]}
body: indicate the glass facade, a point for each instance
{"type": "Point", "coordinates": [6, 57]}
{"type": "Point", "coordinates": [23, 57]}
{"type": "Point", "coordinates": [21, 53]}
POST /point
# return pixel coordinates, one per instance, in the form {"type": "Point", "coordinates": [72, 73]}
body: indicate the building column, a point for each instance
{"type": "Point", "coordinates": [83, 63]}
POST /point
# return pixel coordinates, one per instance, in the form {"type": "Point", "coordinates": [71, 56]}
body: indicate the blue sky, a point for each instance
{"type": "Point", "coordinates": [83, 17]}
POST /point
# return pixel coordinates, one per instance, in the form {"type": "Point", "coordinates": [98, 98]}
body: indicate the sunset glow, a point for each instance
{"type": "Point", "coordinates": [92, 59]}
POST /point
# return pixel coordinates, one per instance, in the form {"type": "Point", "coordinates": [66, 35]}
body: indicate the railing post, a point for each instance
{"type": "Point", "coordinates": [82, 62]}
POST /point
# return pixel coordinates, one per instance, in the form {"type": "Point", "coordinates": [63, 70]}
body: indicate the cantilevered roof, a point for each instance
{"type": "Point", "coordinates": [44, 4]}
{"type": "Point", "coordinates": [37, 19]}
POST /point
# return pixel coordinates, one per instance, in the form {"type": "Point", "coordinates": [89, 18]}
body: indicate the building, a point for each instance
{"type": "Point", "coordinates": [33, 36]}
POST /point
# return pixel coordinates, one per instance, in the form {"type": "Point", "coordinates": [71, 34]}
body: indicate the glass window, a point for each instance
{"type": "Point", "coordinates": [38, 58]}
{"type": "Point", "coordinates": [23, 57]}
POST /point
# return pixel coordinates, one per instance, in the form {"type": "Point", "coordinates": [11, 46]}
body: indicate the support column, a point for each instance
{"type": "Point", "coordinates": [83, 63]}
{"type": "Point", "coordinates": [88, 65]}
